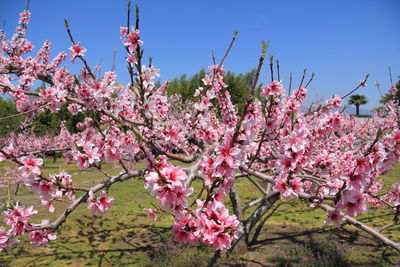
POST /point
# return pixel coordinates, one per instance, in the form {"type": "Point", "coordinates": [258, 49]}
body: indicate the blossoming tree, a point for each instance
{"type": "Point", "coordinates": [323, 156]}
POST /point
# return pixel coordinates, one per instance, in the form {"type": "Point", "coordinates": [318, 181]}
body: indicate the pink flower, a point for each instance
{"type": "Point", "coordinates": [48, 204]}
{"type": "Point", "coordinates": [41, 237]}
{"type": "Point", "coordinates": [18, 218]}
{"type": "Point", "coordinates": [24, 17]}
{"type": "Point", "coordinates": [273, 89]}
{"type": "Point", "coordinates": [353, 202]}
{"type": "Point", "coordinates": [335, 102]}
{"type": "Point", "coordinates": [357, 181]}
{"type": "Point", "coordinates": [186, 230]}
{"type": "Point", "coordinates": [43, 188]}
{"type": "Point", "coordinates": [334, 217]}
{"type": "Point", "coordinates": [74, 108]}
{"type": "Point", "coordinates": [222, 241]}
{"type": "Point", "coordinates": [77, 51]}
{"type": "Point", "coordinates": [289, 189]}
{"type": "Point", "coordinates": [393, 195]}
{"type": "Point", "coordinates": [296, 184]}
{"type": "Point", "coordinates": [211, 231]}
{"type": "Point", "coordinates": [174, 175]}
{"type": "Point", "coordinates": [132, 39]}
{"type": "Point", "coordinates": [123, 31]}
{"type": "Point", "coordinates": [393, 89]}
{"type": "Point", "coordinates": [227, 154]}
{"type": "Point", "coordinates": [89, 156]}
{"type": "Point", "coordinates": [5, 239]}
{"type": "Point", "coordinates": [99, 205]}
{"type": "Point", "coordinates": [131, 59]}
{"type": "Point", "coordinates": [171, 196]}
{"type": "Point", "coordinates": [31, 164]}
{"type": "Point", "coordinates": [151, 213]}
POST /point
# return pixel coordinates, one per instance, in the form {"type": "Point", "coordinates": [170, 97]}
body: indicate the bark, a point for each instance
{"type": "Point", "coordinates": [265, 205]}
{"type": "Point", "coordinates": [240, 246]}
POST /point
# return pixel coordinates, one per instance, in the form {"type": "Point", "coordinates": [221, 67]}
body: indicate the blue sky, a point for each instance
{"type": "Point", "coordinates": [339, 40]}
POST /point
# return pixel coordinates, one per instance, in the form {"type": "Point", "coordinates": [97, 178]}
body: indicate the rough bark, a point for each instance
{"type": "Point", "coordinates": [240, 246]}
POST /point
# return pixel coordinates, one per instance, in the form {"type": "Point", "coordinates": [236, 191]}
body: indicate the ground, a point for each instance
{"type": "Point", "coordinates": [293, 234]}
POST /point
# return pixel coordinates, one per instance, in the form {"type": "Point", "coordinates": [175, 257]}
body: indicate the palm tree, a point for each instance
{"type": "Point", "coordinates": [358, 100]}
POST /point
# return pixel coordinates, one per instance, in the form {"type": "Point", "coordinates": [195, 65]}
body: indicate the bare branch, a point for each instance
{"type": "Point", "coordinates": [105, 184]}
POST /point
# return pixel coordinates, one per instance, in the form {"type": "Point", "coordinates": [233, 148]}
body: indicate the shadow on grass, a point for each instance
{"type": "Point", "coordinates": [98, 241]}
{"type": "Point", "coordinates": [324, 247]}
{"type": "Point", "coordinates": [95, 243]}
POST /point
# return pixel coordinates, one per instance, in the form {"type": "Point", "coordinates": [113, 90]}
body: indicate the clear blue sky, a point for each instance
{"type": "Point", "coordinates": [339, 40]}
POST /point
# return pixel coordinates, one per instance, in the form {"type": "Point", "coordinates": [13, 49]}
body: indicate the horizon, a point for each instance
{"type": "Point", "coordinates": [340, 41]}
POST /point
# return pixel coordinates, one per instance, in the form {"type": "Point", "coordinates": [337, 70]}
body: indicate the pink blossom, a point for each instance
{"type": "Point", "coordinates": [334, 217]}
{"type": "Point", "coordinates": [43, 188]}
{"type": "Point", "coordinates": [18, 218]}
{"type": "Point", "coordinates": [24, 17]}
{"type": "Point", "coordinates": [335, 102]}
{"type": "Point", "coordinates": [77, 51]}
{"type": "Point", "coordinates": [273, 89]}
{"type": "Point", "coordinates": [41, 237]}
{"type": "Point", "coordinates": [74, 108]}
{"type": "Point", "coordinates": [99, 205]}
{"type": "Point", "coordinates": [123, 31]}
{"type": "Point", "coordinates": [185, 230]}
{"type": "Point", "coordinates": [6, 240]}
{"type": "Point", "coordinates": [131, 59]}
{"type": "Point", "coordinates": [31, 164]}
{"type": "Point", "coordinates": [151, 213]}
{"type": "Point", "coordinates": [174, 175]}
{"type": "Point", "coordinates": [48, 204]}
{"type": "Point", "coordinates": [353, 202]}
{"type": "Point", "coordinates": [227, 154]}
{"type": "Point", "coordinates": [132, 39]}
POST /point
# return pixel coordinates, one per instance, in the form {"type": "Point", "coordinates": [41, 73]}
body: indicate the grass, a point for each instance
{"type": "Point", "coordinates": [293, 235]}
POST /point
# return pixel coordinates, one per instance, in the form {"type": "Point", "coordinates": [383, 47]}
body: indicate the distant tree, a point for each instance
{"type": "Point", "coordinates": [238, 86]}
{"type": "Point", "coordinates": [358, 100]}
{"type": "Point", "coordinates": [7, 108]}
{"type": "Point", "coordinates": [186, 86]}
{"type": "Point", "coordinates": [388, 96]}
{"type": "Point", "coordinates": [48, 122]}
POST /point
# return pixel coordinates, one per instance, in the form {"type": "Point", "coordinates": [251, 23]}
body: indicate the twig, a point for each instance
{"type": "Point", "coordinates": [80, 57]}
{"type": "Point", "coordinates": [355, 89]}
{"type": "Point", "coordinates": [22, 113]}
{"type": "Point", "coordinates": [302, 78]}
{"type": "Point", "coordinates": [271, 67]}
{"type": "Point", "coordinates": [278, 70]}
{"type": "Point", "coordinates": [312, 77]}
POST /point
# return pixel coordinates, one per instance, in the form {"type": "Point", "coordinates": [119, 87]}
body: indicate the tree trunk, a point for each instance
{"type": "Point", "coordinates": [240, 245]}
{"type": "Point", "coordinates": [357, 110]}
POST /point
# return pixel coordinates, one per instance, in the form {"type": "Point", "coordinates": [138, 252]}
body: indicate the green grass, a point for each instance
{"type": "Point", "coordinates": [293, 235]}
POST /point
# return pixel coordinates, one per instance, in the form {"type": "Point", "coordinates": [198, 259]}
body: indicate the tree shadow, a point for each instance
{"type": "Point", "coordinates": [321, 247]}
{"type": "Point", "coordinates": [95, 241]}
